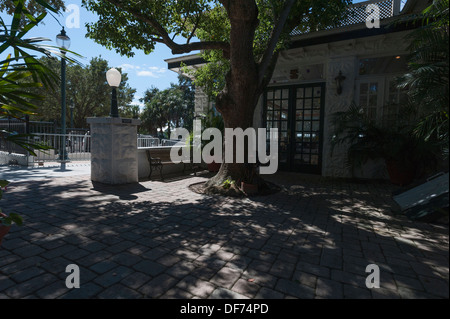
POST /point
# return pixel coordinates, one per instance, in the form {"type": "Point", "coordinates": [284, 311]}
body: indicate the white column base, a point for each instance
{"type": "Point", "coordinates": [114, 158]}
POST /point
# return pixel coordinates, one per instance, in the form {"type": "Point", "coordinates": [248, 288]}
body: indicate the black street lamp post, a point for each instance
{"type": "Point", "coordinates": [63, 41]}
{"type": "Point", "coordinates": [72, 106]}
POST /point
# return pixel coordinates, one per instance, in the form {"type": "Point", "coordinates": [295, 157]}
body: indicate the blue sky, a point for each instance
{"type": "Point", "coordinates": [143, 70]}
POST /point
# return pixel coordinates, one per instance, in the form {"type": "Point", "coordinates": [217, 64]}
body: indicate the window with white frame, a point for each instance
{"type": "Point", "coordinates": [376, 90]}
{"type": "Point", "coordinates": [370, 97]}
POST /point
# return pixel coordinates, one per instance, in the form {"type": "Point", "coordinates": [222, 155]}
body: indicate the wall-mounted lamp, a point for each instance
{"type": "Point", "coordinates": [339, 79]}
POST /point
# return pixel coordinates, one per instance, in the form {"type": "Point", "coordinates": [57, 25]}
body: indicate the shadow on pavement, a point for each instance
{"type": "Point", "coordinates": [160, 240]}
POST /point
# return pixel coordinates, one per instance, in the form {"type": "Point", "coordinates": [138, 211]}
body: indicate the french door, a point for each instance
{"type": "Point", "coordinates": [297, 112]}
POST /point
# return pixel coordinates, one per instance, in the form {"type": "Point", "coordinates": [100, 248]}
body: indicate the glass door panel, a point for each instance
{"type": "Point", "coordinates": [297, 112]}
{"type": "Point", "coordinates": [308, 128]}
{"type": "Point", "coordinates": [277, 116]}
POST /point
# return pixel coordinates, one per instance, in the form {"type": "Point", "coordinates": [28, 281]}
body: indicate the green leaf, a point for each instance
{"type": "Point", "coordinates": [33, 23]}
{"type": "Point", "coordinates": [4, 183]}
{"type": "Point", "coordinates": [16, 218]}
{"type": "Point", "coordinates": [46, 5]}
{"type": "Point", "coordinates": [19, 4]}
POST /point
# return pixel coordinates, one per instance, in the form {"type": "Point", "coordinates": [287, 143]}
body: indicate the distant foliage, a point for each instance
{"type": "Point", "coordinates": [87, 90]}
{"type": "Point", "coordinates": [167, 109]}
{"type": "Point", "coordinates": [32, 6]}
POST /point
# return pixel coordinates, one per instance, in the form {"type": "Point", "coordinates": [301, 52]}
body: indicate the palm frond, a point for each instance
{"type": "Point", "coordinates": [24, 141]}
{"type": "Point", "coordinates": [21, 70]}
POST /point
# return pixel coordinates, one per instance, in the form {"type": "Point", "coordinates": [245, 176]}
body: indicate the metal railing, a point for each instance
{"type": "Point", "coordinates": [22, 126]}
{"type": "Point", "coordinates": [77, 147]}
{"type": "Point", "coordinates": [42, 127]}
{"type": "Point", "coordinates": [10, 147]}
{"type": "Point", "coordinates": [147, 141]}
{"type": "Point", "coordinates": [150, 141]}
{"type": "Point", "coordinates": [165, 142]}
{"type": "Point", "coordinates": [356, 14]}
{"type": "Point", "coordinates": [12, 125]}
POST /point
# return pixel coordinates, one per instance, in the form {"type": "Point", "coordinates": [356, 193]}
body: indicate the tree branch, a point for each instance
{"type": "Point", "coordinates": [157, 39]}
{"type": "Point", "coordinates": [274, 37]}
{"type": "Point", "coordinates": [184, 24]}
{"type": "Point", "coordinates": [175, 47]}
{"type": "Point", "coordinates": [194, 28]}
{"type": "Point", "coordinates": [203, 45]}
{"type": "Point", "coordinates": [268, 75]}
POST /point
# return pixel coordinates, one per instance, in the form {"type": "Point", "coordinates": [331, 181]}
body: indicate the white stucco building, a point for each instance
{"type": "Point", "coordinates": [304, 90]}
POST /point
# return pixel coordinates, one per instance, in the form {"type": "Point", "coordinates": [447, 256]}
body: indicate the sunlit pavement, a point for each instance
{"type": "Point", "coordinates": [48, 170]}
{"type": "Point", "coordinates": [314, 239]}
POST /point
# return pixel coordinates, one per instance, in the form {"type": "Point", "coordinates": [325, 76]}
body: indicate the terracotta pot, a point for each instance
{"type": "Point", "coordinates": [3, 231]}
{"type": "Point", "coordinates": [249, 189]}
{"type": "Point", "coordinates": [400, 174]}
{"type": "Point", "coordinates": [214, 167]}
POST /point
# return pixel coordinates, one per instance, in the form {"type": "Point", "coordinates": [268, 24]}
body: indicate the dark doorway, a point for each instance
{"type": "Point", "coordinates": [297, 112]}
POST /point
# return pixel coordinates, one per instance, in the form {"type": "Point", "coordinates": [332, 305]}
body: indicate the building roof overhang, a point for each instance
{"type": "Point", "coordinates": [405, 20]}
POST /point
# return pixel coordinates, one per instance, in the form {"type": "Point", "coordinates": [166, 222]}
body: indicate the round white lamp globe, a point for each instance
{"type": "Point", "coordinates": [113, 77]}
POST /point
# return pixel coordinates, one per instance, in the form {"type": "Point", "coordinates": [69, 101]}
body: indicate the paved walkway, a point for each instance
{"type": "Point", "coordinates": [49, 170]}
{"type": "Point", "coordinates": [160, 240]}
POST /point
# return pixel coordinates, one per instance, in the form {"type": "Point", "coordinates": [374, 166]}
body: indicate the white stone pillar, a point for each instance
{"type": "Point", "coordinates": [114, 157]}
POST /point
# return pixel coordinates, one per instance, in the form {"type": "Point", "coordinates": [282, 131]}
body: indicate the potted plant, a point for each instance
{"type": "Point", "coordinates": [228, 183]}
{"type": "Point", "coordinates": [405, 154]}
{"type": "Point", "coordinates": [7, 220]}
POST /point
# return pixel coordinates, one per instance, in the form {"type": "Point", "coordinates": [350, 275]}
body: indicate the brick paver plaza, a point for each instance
{"type": "Point", "coordinates": [156, 239]}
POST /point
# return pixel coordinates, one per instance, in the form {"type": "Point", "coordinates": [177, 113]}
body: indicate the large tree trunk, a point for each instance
{"type": "Point", "coordinates": [235, 171]}
{"type": "Point", "coordinates": [238, 100]}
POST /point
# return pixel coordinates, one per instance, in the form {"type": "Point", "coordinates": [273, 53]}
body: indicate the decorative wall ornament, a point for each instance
{"type": "Point", "coordinates": [339, 79]}
{"type": "Point", "coordinates": [294, 74]}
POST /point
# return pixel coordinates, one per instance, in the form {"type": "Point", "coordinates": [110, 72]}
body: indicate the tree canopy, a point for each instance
{"type": "Point", "coordinates": [171, 108]}
{"type": "Point", "coordinates": [207, 25]}
{"type": "Point", "coordinates": [88, 91]}
{"type": "Point", "coordinates": [33, 6]}
{"type": "Point", "coordinates": [242, 37]}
